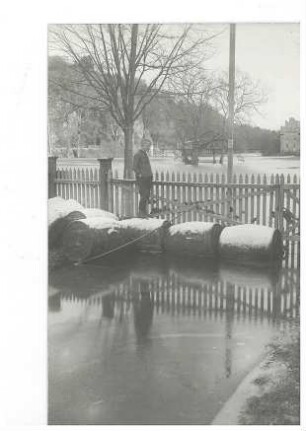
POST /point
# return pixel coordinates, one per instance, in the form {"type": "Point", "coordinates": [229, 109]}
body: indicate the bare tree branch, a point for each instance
{"type": "Point", "coordinates": [127, 65]}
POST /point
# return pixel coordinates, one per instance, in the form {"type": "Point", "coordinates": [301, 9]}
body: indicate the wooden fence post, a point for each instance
{"type": "Point", "coordinates": [104, 170]}
{"type": "Point", "coordinates": [279, 203]}
{"type": "Point", "coordinates": [51, 176]}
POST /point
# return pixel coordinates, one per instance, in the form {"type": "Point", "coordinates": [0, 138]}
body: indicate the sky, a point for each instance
{"type": "Point", "coordinates": [268, 53]}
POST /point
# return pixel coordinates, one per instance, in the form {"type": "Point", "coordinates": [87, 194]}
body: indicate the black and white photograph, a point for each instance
{"type": "Point", "coordinates": [173, 224]}
{"type": "Point", "coordinates": [152, 256]}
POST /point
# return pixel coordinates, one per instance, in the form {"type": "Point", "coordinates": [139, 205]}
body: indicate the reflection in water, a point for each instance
{"type": "Point", "coordinates": [230, 293]}
{"type": "Point", "coordinates": [246, 292]}
{"type": "Point", "coordinates": [54, 302]}
{"type": "Point", "coordinates": [143, 312]}
{"type": "Point", "coordinates": [197, 326]}
{"type": "Point", "coordinates": [249, 277]}
{"type": "Point", "coordinates": [108, 306]}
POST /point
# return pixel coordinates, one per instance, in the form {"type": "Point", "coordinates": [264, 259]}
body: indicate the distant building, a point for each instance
{"type": "Point", "coordinates": [290, 137]}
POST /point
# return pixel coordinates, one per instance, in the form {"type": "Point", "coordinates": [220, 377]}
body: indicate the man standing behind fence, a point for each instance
{"type": "Point", "coordinates": [144, 176]}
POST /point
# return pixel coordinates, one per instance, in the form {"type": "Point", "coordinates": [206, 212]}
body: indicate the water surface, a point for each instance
{"type": "Point", "coordinates": [151, 340]}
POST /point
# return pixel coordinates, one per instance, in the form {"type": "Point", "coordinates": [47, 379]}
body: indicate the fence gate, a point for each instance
{"type": "Point", "coordinates": [291, 222]}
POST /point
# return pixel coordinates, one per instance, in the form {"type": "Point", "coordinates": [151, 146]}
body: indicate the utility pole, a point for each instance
{"type": "Point", "coordinates": [231, 95]}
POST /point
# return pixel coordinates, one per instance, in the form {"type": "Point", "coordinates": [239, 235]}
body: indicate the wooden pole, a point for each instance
{"type": "Point", "coordinates": [230, 125]}
{"type": "Point", "coordinates": [105, 168]}
{"type": "Point", "coordinates": [231, 102]}
{"type": "Point", "coordinates": [51, 176]}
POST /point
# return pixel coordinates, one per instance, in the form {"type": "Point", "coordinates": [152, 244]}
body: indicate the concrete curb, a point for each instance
{"type": "Point", "coordinates": [230, 412]}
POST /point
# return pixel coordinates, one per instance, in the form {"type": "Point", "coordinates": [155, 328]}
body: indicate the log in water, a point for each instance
{"type": "Point", "coordinates": [60, 213]}
{"type": "Point", "coordinates": [251, 244]}
{"type": "Point", "coordinates": [193, 239]}
{"type": "Point", "coordinates": [97, 212]}
{"type": "Point", "coordinates": [90, 237]}
{"type": "Point", "coordinates": [151, 233]}
{"type": "Point", "coordinates": [95, 236]}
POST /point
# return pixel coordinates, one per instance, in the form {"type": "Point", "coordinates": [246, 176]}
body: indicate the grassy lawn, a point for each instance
{"type": "Point", "coordinates": [279, 400]}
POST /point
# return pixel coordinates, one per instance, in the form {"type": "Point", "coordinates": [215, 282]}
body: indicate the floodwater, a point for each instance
{"type": "Point", "coordinates": [247, 164]}
{"type": "Point", "coordinates": [153, 340]}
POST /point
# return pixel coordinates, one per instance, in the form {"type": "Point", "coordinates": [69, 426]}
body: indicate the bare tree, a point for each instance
{"type": "Point", "coordinates": [64, 124]}
{"type": "Point", "coordinates": [197, 104]}
{"type": "Point", "coordinates": [249, 97]}
{"type": "Point", "coordinates": [197, 124]}
{"type": "Point", "coordinates": [126, 65]}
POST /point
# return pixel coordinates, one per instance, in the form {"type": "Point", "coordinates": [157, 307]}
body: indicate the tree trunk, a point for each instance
{"type": "Point", "coordinates": [127, 193]}
{"type": "Point", "coordinates": [195, 157]}
{"type": "Point", "coordinates": [128, 152]}
{"type": "Point", "coordinates": [129, 113]}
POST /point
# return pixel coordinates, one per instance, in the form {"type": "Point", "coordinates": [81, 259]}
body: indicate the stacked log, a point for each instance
{"type": "Point", "coordinates": [251, 244]}
{"type": "Point", "coordinates": [90, 237]}
{"type": "Point", "coordinates": [96, 212]}
{"type": "Point", "coordinates": [60, 213]}
{"type": "Point", "coordinates": [150, 232]}
{"type": "Point", "coordinates": [193, 239]}
{"type": "Point", "coordinates": [102, 232]}
{"type": "Point", "coordinates": [59, 207]}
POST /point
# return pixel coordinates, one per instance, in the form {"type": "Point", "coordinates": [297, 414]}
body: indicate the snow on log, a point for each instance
{"type": "Point", "coordinates": [96, 212]}
{"type": "Point", "coordinates": [251, 244]}
{"type": "Point", "coordinates": [89, 237]}
{"type": "Point", "coordinates": [193, 238]}
{"type": "Point", "coordinates": [59, 208]}
{"type": "Point", "coordinates": [151, 233]}
{"type": "Point", "coordinates": [60, 213]}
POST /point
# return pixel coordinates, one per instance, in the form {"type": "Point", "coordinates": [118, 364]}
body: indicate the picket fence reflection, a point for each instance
{"type": "Point", "coordinates": [179, 290]}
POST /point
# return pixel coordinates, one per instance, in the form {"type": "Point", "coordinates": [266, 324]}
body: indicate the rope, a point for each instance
{"type": "Point", "coordinates": [98, 256]}
{"type": "Point", "coordinates": [101, 255]}
{"type": "Point", "coordinates": [192, 206]}
{"type": "Point", "coordinates": [186, 209]}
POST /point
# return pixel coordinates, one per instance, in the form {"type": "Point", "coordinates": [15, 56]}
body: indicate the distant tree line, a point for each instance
{"type": "Point", "coordinates": [111, 83]}
{"type": "Point", "coordinates": [172, 121]}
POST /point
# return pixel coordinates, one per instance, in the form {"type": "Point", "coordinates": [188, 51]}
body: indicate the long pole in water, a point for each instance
{"type": "Point", "coordinates": [231, 95]}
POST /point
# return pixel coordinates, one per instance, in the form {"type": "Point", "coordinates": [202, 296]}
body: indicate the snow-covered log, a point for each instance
{"type": "Point", "coordinates": [59, 208]}
{"type": "Point", "coordinates": [86, 238]}
{"type": "Point", "coordinates": [60, 213]}
{"type": "Point", "coordinates": [151, 233]}
{"type": "Point", "coordinates": [96, 212]}
{"type": "Point", "coordinates": [251, 244]}
{"type": "Point", "coordinates": [193, 239]}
